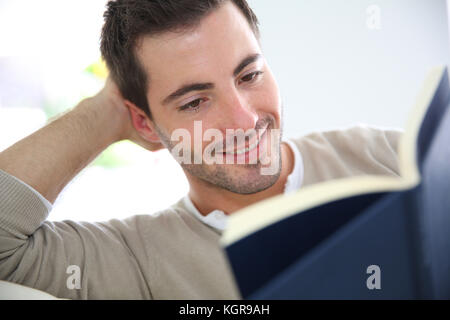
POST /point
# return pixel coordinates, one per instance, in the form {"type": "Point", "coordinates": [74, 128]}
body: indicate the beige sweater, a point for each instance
{"type": "Point", "coordinates": [170, 255]}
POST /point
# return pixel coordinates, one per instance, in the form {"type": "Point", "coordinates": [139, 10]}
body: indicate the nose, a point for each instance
{"type": "Point", "coordinates": [237, 112]}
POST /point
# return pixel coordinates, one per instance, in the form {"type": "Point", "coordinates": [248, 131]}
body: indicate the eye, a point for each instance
{"type": "Point", "coordinates": [251, 76]}
{"type": "Point", "coordinates": [191, 106]}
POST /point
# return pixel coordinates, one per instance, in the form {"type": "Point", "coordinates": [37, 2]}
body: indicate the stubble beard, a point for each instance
{"type": "Point", "coordinates": [242, 179]}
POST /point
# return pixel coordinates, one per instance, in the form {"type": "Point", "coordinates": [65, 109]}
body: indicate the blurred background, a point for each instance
{"type": "Point", "coordinates": [337, 63]}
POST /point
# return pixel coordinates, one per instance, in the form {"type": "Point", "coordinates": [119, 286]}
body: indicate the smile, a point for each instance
{"type": "Point", "coordinates": [250, 147]}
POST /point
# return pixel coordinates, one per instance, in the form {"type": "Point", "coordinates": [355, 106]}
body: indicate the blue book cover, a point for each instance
{"type": "Point", "coordinates": [368, 237]}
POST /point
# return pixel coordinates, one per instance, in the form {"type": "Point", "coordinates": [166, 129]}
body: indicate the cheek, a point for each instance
{"type": "Point", "coordinates": [268, 98]}
{"type": "Point", "coordinates": [169, 121]}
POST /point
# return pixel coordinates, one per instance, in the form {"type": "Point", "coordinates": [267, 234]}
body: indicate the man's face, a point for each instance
{"type": "Point", "coordinates": [234, 89]}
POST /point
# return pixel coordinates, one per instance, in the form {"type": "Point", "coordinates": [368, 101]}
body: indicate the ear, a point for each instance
{"type": "Point", "coordinates": [142, 123]}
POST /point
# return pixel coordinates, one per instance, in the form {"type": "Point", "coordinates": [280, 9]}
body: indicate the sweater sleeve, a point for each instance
{"type": "Point", "coordinates": [22, 209]}
{"type": "Point", "coordinates": [67, 259]}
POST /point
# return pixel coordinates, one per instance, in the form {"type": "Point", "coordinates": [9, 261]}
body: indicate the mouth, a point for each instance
{"type": "Point", "coordinates": [251, 147]}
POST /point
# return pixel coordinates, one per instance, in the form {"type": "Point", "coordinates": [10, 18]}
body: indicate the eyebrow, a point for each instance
{"type": "Point", "coordinates": [207, 86]}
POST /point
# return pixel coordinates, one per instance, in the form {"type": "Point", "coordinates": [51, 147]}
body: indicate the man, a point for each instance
{"type": "Point", "coordinates": [177, 64]}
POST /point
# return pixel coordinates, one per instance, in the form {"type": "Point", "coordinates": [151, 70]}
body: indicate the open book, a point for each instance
{"type": "Point", "coordinates": [368, 237]}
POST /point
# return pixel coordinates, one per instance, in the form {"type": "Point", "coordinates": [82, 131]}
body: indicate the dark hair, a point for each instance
{"type": "Point", "coordinates": [126, 21]}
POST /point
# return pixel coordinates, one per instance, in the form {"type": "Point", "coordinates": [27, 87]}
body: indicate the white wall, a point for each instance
{"type": "Point", "coordinates": [335, 71]}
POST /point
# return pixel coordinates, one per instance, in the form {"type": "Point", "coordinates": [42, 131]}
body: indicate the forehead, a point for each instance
{"type": "Point", "coordinates": [218, 43]}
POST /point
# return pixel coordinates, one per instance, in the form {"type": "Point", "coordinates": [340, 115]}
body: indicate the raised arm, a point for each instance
{"type": "Point", "coordinates": [50, 158]}
{"type": "Point", "coordinates": [39, 253]}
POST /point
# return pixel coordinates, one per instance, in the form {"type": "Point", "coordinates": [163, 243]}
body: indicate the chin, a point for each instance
{"type": "Point", "coordinates": [253, 187]}
{"type": "Point", "coordinates": [240, 179]}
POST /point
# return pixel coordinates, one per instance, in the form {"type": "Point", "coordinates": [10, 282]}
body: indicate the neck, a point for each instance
{"type": "Point", "coordinates": [207, 199]}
